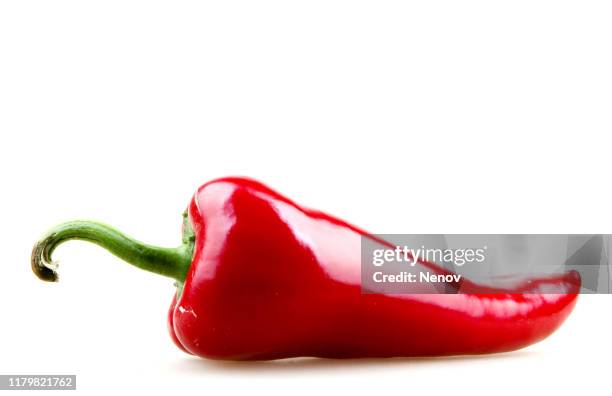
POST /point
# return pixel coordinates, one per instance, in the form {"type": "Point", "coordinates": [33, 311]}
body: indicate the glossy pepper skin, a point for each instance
{"type": "Point", "coordinates": [260, 277]}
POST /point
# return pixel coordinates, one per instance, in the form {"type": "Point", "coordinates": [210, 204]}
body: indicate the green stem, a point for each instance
{"type": "Point", "coordinates": [171, 262]}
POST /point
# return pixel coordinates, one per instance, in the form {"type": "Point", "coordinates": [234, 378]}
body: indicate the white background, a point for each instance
{"type": "Point", "coordinates": [401, 117]}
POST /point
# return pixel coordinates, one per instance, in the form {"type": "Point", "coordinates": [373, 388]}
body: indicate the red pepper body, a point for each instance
{"type": "Point", "coordinates": [270, 279]}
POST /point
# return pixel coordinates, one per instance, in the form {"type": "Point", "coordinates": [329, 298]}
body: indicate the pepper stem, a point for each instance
{"type": "Point", "coordinates": [170, 262]}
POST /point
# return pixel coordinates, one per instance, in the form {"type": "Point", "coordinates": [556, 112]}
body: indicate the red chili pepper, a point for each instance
{"type": "Point", "coordinates": [260, 277]}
